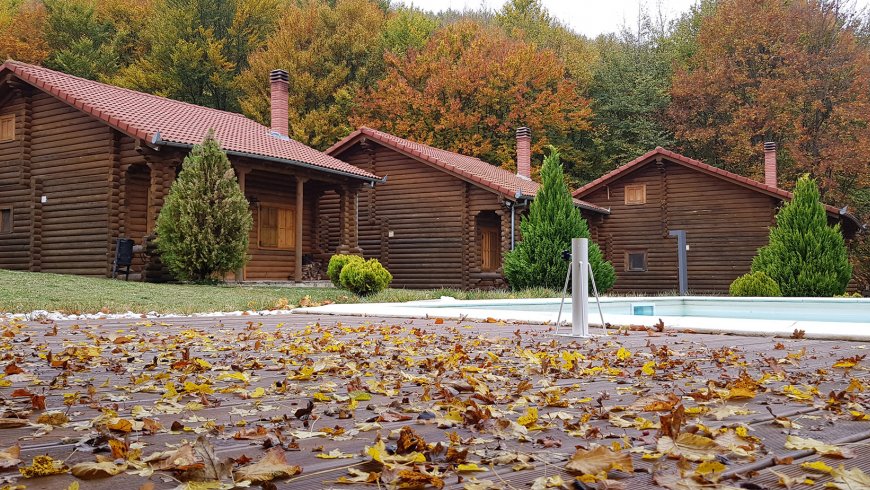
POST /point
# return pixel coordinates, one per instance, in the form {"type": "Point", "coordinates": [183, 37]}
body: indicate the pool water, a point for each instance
{"type": "Point", "coordinates": [848, 310]}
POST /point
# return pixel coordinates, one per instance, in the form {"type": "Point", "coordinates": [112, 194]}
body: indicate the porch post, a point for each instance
{"type": "Point", "coordinates": [241, 172]}
{"type": "Point", "coordinates": [348, 212]}
{"type": "Point", "coordinates": [300, 200]}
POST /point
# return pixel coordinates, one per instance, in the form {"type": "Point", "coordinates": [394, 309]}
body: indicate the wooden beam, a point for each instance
{"type": "Point", "coordinates": [300, 199]}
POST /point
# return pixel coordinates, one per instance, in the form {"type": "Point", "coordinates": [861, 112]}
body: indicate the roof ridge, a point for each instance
{"type": "Point", "coordinates": [127, 89]}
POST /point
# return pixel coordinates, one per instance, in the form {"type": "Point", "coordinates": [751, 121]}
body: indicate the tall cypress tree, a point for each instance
{"type": "Point", "coordinates": [202, 230]}
{"type": "Point", "coordinates": [805, 256]}
{"type": "Point", "coordinates": [548, 229]}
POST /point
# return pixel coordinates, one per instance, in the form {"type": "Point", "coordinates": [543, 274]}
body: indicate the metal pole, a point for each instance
{"type": "Point", "coordinates": [597, 299]}
{"type": "Point", "coordinates": [682, 260]}
{"type": "Point", "coordinates": [580, 287]}
{"type": "Point", "coordinates": [564, 293]}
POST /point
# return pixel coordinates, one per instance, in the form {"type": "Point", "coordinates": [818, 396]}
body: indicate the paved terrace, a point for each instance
{"type": "Point", "coordinates": [468, 392]}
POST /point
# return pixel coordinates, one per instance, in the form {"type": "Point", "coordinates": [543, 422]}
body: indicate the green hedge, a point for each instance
{"type": "Point", "coordinates": [336, 264]}
{"type": "Point", "coordinates": [365, 277]}
{"type": "Point", "coordinates": [754, 284]}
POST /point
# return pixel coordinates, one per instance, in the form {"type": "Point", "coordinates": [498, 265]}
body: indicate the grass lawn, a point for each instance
{"type": "Point", "coordinates": [22, 292]}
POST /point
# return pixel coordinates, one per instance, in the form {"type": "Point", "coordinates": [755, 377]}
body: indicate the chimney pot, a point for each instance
{"type": "Point", "coordinates": [770, 163]}
{"type": "Point", "coordinates": [279, 92]}
{"type": "Point", "coordinates": [524, 153]}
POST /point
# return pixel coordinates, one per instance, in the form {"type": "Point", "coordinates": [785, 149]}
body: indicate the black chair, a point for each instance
{"type": "Point", "coordinates": [123, 258]}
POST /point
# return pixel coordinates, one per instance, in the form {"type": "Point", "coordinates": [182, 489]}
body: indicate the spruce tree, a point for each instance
{"type": "Point", "coordinates": [805, 256]}
{"type": "Point", "coordinates": [202, 230]}
{"type": "Point", "coordinates": [547, 230]}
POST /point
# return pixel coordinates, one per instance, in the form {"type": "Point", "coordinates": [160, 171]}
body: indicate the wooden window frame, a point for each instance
{"type": "Point", "coordinates": [496, 252]}
{"type": "Point", "coordinates": [283, 207]}
{"type": "Point", "coordinates": [3, 118]}
{"type": "Point", "coordinates": [11, 220]}
{"type": "Point", "coordinates": [629, 253]}
{"type": "Point", "coordinates": [630, 188]}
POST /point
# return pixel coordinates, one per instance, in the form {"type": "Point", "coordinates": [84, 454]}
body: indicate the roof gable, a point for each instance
{"type": "Point", "coordinates": [480, 173]}
{"type": "Point", "coordinates": [161, 121]}
{"type": "Point", "coordinates": [659, 153]}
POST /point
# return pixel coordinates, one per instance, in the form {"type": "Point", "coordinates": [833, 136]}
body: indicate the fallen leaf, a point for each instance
{"type": "Point", "coordinates": [92, 471]}
{"type": "Point", "coordinates": [271, 466]}
{"type": "Point", "coordinates": [795, 442]}
{"type": "Point", "coordinates": [690, 446]}
{"type": "Point", "coordinates": [597, 460]}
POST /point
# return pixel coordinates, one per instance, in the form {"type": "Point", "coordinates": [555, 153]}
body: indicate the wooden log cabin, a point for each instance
{"type": "Point", "coordinates": [84, 163]}
{"type": "Point", "coordinates": [726, 218]}
{"type": "Point", "coordinates": [442, 219]}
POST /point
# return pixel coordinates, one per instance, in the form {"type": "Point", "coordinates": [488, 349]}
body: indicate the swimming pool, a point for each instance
{"type": "Point", "coordinates": [842, 318]}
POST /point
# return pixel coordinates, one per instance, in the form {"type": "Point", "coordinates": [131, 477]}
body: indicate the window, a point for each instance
{"type": "Point", "coordinates": [635, 260]}
{"type": "Point", "coordinates": [635, 194]}
{"type": "Point", "coordinates": [277, 227]}
{"type": "Point", "coordinates": [7, 127]}
{"type": "Point", "coordinates": [490, 248]}
{"type": "Point", "coordinates": [5, 220]}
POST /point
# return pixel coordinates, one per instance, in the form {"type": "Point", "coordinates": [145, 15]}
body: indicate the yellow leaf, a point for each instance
{"type": "Point", "coordinates": [710, 469]}
{"type": "Point", "coordinates": [690, 446]}
{"type": "Point", "coordinates": [470, 467]}
{"type": "Point", "coordinates": [321, 397]}
{"type": "Point", "coordinates": [259, 392]}
{"type": "Point", "coordinates": [43, 466]}
{"type": "Point", "coordinates": [334, 454]}
{"type": "Point", "coordinates": [817, 466]}
{"type": "Point", "coordinates": [623, 354]}
{"type": "Point", "coordinates": [649, 368]}
{"type": "Point", "coordinates": [530, 418]}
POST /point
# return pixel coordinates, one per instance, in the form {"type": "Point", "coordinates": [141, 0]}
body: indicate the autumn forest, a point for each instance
{"type": "Point", "coordinates": [714, 83]}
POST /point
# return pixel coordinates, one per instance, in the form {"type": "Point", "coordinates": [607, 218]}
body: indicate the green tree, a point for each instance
{"type": "Point", "coordinates": [407, 28]}
{"type": "Point", "coordinates": [548, 229]}
{"type": "Point", "coordinates": [331, 53]}
{"type": "Point", "coordinates": [195, 49]}
{"type": "Point", "coordinates": [202, 229]}
{"type": "Point", "coordinates": [805, 256]}
{"type": "Point", "coordinates": [630, 96]}
{"type": "Point", "coordinates": [530, 21]}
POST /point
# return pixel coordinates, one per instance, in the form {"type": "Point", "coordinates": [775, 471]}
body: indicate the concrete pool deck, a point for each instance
{"type": "Point", "coordinates": [505, 310]}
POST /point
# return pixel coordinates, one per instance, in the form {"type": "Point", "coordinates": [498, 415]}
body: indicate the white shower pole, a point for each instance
{"type": "Point", "coordinates": [580, 287]}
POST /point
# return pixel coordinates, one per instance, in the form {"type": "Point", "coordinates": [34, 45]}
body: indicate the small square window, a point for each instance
{"type": "Point", "coordinates": [5, 220]}
{"type": "Point", "coordinates": [7, 127]}
{"type": "Point", "coordinates": [635, 260]}
{"type": "Point", "coordinates": [635, 194]}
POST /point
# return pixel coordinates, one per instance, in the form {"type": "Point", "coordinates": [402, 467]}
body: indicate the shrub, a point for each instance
{"type": "Point", "coordinates": [548, 229]}
{"type": "Point", "coordinates": [202, 229]}
{"type": "Point", "coordinates": [336, 264]}
{"type": "Point", "coordinates": [754, 284]}
{"type": "Point", "coordinates": [805, 256]}
{"type": "Point", "coordinates": [365, 277]}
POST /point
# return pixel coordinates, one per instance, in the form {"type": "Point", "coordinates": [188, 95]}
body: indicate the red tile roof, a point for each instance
{"type": "Point", "coordinates": [703, 167]}
{"type": "Point", "coordinates": [473, 169]}
{"type": "Point", "coordinates": [158, 120]}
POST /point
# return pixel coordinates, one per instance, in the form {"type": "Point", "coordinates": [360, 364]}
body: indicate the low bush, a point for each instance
{"type": "Point", "coordinates": [365, 277]}
{"type": "Point", "coordinates": [754, 284]}
{"type": "Point", "coordinates": [336, 264]}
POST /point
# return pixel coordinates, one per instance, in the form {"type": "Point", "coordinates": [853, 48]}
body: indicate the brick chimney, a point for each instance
{"type": "Point", "coordinates": [524, 153]}
{"type": "Point", "coordinates": [770, 163]}
{"type": "Point", "coordinates": [279, 80]}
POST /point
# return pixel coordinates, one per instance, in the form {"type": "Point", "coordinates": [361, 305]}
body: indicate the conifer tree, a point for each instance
{"type": "Point", "coordinates": [548, 229]}
{"type": "Point", "coordinates": [202, 230]}
{"type": "Point", "coordinates": [805, 256]}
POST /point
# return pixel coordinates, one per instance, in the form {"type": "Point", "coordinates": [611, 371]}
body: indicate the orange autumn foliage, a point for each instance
{"type": "Point", "coordinates": [469, 88]}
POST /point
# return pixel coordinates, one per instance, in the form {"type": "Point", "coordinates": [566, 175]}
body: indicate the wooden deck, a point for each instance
{"type": "Point", "coordinates": [447, 381]}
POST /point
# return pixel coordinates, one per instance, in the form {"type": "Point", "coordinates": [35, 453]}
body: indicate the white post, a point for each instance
{"type": "Point", "coordinates": [580, 287]}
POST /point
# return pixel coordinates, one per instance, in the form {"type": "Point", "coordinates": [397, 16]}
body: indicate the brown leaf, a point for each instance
{"type": "Point", "coordinates": [12, 368]}
{"type": "Point", "coordinates": [213, 468]}
{"type": "Point", "coordinates": [409, 442]}
{"type": "Point", "coordinates": [690, 446]}
{"type": "Point", "coordinates": [597, 460]}
{"type": "Point", "coordinates": [403, 478]}
{"type": "Point", "coordinates": [271, 466]}
{"type": "Point", "coordinates": [91, 471]}
{"type": "Point", "coordinates": [11, 423]}
{"type": "Point", "coordinates": [9, 458]}
{"type": "Point", "coordinates": [659, 402]}
{"type": "Point", "coordinates": [672, 422]}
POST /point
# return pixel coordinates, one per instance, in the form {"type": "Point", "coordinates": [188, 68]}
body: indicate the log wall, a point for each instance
{"type": "Point", "coordinates": [15, 189]}
{"type": "Point", "coordinates": [431, 216]}
{"type": "Point", "coordinates": [725, 225]}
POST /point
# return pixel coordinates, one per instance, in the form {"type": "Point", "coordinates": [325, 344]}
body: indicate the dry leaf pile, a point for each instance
{"type": "Point", "coordinates": [231, 403]}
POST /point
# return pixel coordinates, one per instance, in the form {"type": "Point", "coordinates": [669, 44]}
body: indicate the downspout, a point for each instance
{"type": "Point", "coordinates": [513, 231]}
